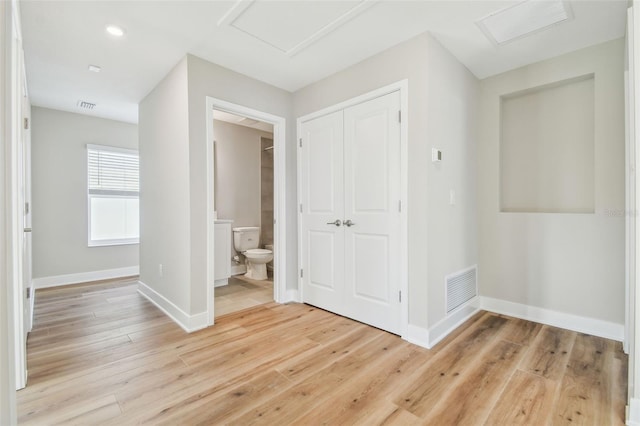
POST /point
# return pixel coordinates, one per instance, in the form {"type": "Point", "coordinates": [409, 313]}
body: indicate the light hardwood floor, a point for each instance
{"type": "Point", "coordinates": [241, 293]}
{"type": "Point", "coordinates": [101, 354]}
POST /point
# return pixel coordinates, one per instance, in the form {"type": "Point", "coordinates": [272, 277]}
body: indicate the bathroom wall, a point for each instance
{"type": "Point", "coordinates": [238, 154]}
{"type": "Point", "coordinates": [266, 191]}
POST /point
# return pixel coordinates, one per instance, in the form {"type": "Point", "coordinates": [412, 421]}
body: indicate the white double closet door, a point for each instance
{"type": "Point", "coordinates": [350, 219]}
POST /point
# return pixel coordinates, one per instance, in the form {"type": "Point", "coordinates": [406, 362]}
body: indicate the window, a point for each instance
{"type": "Point", "coordinates": [113, 196]}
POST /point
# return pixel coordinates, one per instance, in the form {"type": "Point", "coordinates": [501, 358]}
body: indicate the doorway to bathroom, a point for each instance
{"type": "Point", "coordinates": [245, 180]}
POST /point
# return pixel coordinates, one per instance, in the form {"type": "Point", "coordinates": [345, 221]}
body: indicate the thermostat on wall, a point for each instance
{"type": "Point", "coordinates": [436, 155]}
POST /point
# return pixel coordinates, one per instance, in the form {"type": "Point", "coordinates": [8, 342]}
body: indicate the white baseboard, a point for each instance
{"type": "Point", "coordinates": [189, 323]}
{"type": "Point", "coordinates": [221, 283]}
{"type": "Point", "coordinates": [417, 335]}
{"type": "Point", "coordinates": [453, 320]}
{"type": "Point", "coordinates": [428, 338]}
{"type": "Point", "coordinates": [238, 269]}
{"type": "Point", "coordinates": [84, 277]}
{"type": "Point", "coordinates": [291, 296]}
{"type": "Point", "coordinates": [594, 327]}
{"type": "Point", "coordinates": [633, 412]}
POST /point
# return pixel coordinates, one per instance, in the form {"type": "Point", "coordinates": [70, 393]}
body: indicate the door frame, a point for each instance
{"type": "Point", "coordinates": [401, 86]}
{"type": "Point", "coordinates": [279, 197]}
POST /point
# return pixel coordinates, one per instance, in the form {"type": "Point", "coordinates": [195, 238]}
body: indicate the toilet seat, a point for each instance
{"type": "Point", "coordinates": [258, 252]}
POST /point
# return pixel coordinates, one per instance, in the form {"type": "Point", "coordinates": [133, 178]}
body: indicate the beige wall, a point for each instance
{"type": "Point", "coordinates": [208, 79]}
{"type": "Point", "coordinates": [547, 149]}
{"type": "Point", "coordinates": [164, 189]}
{"type": "Point", "coordinates": [59, 192]}
{"type": "Point", "coordinates": [174, 211]}
{"type": "Point", "coordinates": [451, 120]}
{"type": "Point", "coordinates": [571, 263]}
{"type": "Point", "coordinates": [237, 173]}
{"type": "Point", "coordinates": [442, 238]}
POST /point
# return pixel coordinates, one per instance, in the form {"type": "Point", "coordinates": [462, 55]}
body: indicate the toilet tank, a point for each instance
{"type": "Point", "coordinates": [246, 238]}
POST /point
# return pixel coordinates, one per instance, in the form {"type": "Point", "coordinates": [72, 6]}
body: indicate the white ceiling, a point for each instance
{"type": "Point", "coordinates": [288, 44]}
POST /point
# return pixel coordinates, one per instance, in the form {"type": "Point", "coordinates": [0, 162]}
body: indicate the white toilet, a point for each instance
{"type": "Point", "coordinates": [246, 240]}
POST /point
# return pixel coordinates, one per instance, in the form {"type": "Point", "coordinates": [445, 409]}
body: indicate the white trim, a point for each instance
{"type": "Point", "coordinates": [592, 326]}
{"type": "Point", "coordinates": [401, 86]}
{"type": "Point", "coordinates": [221, 282]}
{"type": "Point", "coordinates": [279, 195]}
{"type": "Point", "coordinates": [417, 335]}
{"type": "Point", "coordinates": [633, 412]}
{"type": "Point", "coordinates": [455, 319]}
{"type": "Point", "coordinates": [292, 296]}
{"type": "Point", "coordinates": [428, 338]}
{"type": "Point", "coordinates": [84, 277]}
{"type": "Point", "coordinates": [188, 323]}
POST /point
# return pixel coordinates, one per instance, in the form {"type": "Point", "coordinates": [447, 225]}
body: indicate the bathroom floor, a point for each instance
{"type": "Point", "coordinates": [242, 293]}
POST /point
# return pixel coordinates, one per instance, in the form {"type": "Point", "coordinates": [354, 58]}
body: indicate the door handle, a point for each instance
{"type": "Point", "coordinates": [27, 229]}
{"type": "Point", "coordinates": [336, 222]}
{"type": "Point", "coordinates": [348, 223]}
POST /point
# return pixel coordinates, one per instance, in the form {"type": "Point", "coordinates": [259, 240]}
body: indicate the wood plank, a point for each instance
{"type": "Point", "coordinates": [527, 399]}
{"type": "Point", "coordinates": [447, 368]}
{"type": "Point", "coordinates": [132, 365]}
{"type": "Point", "coordinates": [363, 393]}
{"type": "Point", "coordinates": [469, 401]}
{"type": "Point", "coordinates": [286, 407]}
{"type": "Point", "coordinates": [586, 389]}
{"type": "Point", "coordinates": [385, 413]}
{"type": "Point", "coordinates": [549, 353]}
{"type": "Point", "coordinates": [521, 332]}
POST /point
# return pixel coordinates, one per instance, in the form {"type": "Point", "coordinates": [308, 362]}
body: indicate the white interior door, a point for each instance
{"type": "Point", "coordinates": [372, 216]}
{"type": "Point", "coordinates": [322, 205]}
{"type": "Point", "coordinates": [350, 220]}
{"type": "Point", "coordinates": [26, 192]}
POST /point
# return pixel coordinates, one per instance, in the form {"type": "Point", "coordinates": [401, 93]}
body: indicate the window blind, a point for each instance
{"type": "Point", "coordinates": [113, 171]}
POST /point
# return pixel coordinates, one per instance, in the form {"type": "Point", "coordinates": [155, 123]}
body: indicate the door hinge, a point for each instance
{"type": "Point", "coordinates": [301, 273]}
{"type": "Point", "coordinates": [400, 296]}
{"type": "Point", "coordinates": [26, 208]}
{"type": "Point", "coordinates": [28, 292]}
{"type": "Point", "coordinates": [300, 208]}
{"type": "Point", "coordinates": [400, 205]}
{"type": "Point", "coordinates": [26, 123]}
{"type": "Point", "coordinates": [399, 116]}
{"type": "Point", "coordinates": [300, 142]}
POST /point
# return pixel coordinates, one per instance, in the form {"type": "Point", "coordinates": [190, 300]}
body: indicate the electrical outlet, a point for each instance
{"type": "Point", "coordinates": [160, 270]}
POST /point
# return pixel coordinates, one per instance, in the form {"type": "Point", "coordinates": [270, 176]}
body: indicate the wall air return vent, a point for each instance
{"type": "Point", "coordinates": [86, 105]}
{"type": "Point", "coordinates": [461, 287]}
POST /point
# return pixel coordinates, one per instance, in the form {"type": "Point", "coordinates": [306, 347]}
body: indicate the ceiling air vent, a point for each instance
{"type": "Point", "coordinates": [86, 105]}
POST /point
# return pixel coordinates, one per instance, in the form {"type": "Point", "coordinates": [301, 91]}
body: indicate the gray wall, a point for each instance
{"type": "Point", "coordinates": [208, 79]}
{"type": "Point", "coordinates": [572, 263]}
{"type": "Point", "coordinates": [59, 192]}
{"type": "Point", "coordinates": [164, 188]}
{"type": "Point", "coordinates": [442, 238]}
{"type": "Point", "coordinates": [174, 209]}
{"type": "Point", "coordinates": [237, 173]}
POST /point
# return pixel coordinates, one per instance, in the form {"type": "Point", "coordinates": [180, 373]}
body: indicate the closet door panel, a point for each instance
{"type": "Point", "coordinates": [322, 198]}
{"type": "Point", "coordinates": [372, 194]}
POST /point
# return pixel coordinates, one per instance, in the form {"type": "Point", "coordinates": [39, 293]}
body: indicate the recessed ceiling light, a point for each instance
{"type": "Point", "coordinates": [94, 68]}
{"type": "Point", "coordinates": [523, 19]}
{"type": "Point", "coordinates": [115, 30]}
